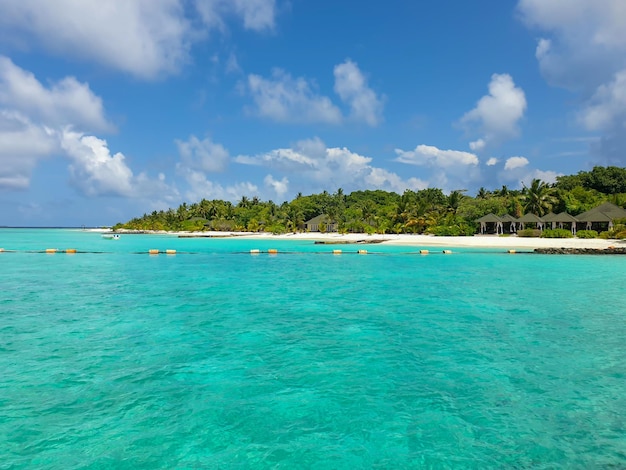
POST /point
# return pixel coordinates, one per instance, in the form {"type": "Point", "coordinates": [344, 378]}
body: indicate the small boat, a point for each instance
{"type": "Point", "coordinates": [110, 236]}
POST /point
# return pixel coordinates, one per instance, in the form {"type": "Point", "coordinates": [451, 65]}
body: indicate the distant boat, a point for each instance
{"type": "Point", "coordinates": [110, 236]}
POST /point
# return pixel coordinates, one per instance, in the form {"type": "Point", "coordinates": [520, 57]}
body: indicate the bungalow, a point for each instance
{"type": "Point", "coordinates": [606, 213]}
{"type": "Point", "coordinates": [313, 225]}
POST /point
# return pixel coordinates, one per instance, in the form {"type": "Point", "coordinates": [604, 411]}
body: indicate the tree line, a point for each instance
{"type": "Point", "coordinates": [427, 211]}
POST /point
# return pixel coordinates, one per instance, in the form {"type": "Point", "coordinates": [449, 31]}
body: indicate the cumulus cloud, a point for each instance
{"type": "Point", "coordinates": [63, 103]}
{"type": "Point", "coordinates": [351, 86]}
{"type": "Point", "coordinates": [280, 187]}
{"type": "Point", "coordinates": [478, 145]}
{"type": "Point", "coordinates": [515, 162]}
{"type": "Point", "coordinates": [314, 167]}
{"type": "Point", "coordinates": [432, 156]}
{"type": "Point", "coordinates": [32, 117]}
{"type": "Point", "coordinates": [142, 37]}
{"type": "Point", "coordinates": [452, 169]}
{"type": "Point", "coordinates": [492, 161]}
{"type": "Point", "coordinates": [585, 43]}
{"type": "Point", "coordinates": [607, 106]}
{"type": "Point", "coordinates": [496, 115]}
{"type": "Point", "coordinates": [22, 144]}
{"type": "Point", "coordinates": [203, 155]}
{"type": "Point", "coordinates": [96, 172]}
{"type": "Point", "coordinates": [285, 99]}
{"type": "Point", "coordinates": [583, 48]}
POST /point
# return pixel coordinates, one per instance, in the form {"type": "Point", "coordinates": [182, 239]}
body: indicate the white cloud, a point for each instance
{"type": "Point", "coordinates": [145, 38]}
{"type": "Point", "coordinates": [313, 166]}
{"type": "Point", "coordinates": [285, 99]}
{"type": "Point", "coordinates": [66, 102]}
{"type": "Point", "coordinates": [200, 187]}
{"type": "Point", "coordinates": [351, 86]}
{"type": "Point", "coordinates": [280, 187]}
{"type": "Point", "coordinates": [22, 145]}
{"type": "Point", "coordinates": [586, 40]}
{"type": "Point", "coordinates": [203, 155]}
{"type": "Point", "coordinates": [583, 49]}
{"type": "Point", "coordinates": [492, 161]}
{"type": "Point", "coordinates": [515, 162]}
{"type": "Point", "coordinates": [432, 156]}
{"type": "Point", "coordinates": [497, 114]}
{"type": "Point", "coordinates": [452, 169]}
{"type": "Point", "coordinates": [607, 105]}
{"type": "Point", "coordinates": [478, 145]}
{"type": "Point", "coordinates": [32, 117]}
{"type": "Point", "coordinates": [95, 172]}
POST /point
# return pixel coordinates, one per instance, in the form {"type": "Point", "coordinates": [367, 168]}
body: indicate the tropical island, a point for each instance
{"type": "Point", "coordinates": [428, 211]}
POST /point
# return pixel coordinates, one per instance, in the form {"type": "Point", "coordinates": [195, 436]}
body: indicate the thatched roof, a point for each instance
{"type": "Point", "coordinates": [526, 218]}
{"type": "Point", "coordinates": [489, 218]}
{"type": "Point", "coordinates": [564, 217]}
{"type": "Point", "coordinates": [549, 217]}
{"type": "Point", "coordinates": [322, 218]}
{"type": "Point", "coordinates": [508, 218]}
{"type": "Point", "coordinates": [606, 212]}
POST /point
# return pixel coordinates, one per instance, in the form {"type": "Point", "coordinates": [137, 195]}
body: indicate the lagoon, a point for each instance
{"type": "Point", "coordinates": [216, 358]}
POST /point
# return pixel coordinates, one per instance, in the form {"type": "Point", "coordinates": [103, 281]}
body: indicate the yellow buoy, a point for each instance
{"type": "Point", "coordinates": [51, 250]}
{"type": "Point", "coordinates": [170, 252]}
{"type": "Point", "coordinates": [336, 252]}
{"type": "Point", "coordinates": [272, 251]}
{"type": "Point", "coordinates": [511, 251]}
{"type": "Point", "coordinates": [153, 252]}
{"type": "Point", "coordinates": [423, 252]}
{"type": "Point", "coordinates": [362, 252]}
{"type": "Point", "coordinates": [1, 250]}
{"type": "Point", "coordinates": [70, 250]}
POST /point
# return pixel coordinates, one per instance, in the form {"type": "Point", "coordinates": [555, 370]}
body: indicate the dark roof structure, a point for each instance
{"type": "Point", "coordinates": [606, 212]}
{"type": "Point", "coordinates": [550, 217]}
{"type": "Point", "coordinates": [564, 217]}
{"type": "Point", "coordinates": [489, 218]}
{"type": "Point", "coordinates": [530, 218]}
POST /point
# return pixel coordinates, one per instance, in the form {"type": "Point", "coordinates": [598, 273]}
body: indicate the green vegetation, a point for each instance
{"type": "Point", "coordinates": [587, 234]}
{"type": "Point", "coordinates": [529, 232]}
{"type": "Point", "coordinates": [427, 211]}
{"type": "Point", "coordinates": [557, 233]}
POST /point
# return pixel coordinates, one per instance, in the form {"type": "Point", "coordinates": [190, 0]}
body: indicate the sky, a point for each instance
{"type": "Point", "coordinates": [109, 110]}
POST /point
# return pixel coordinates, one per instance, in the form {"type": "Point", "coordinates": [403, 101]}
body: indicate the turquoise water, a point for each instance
{"type": "Point", "coordinates": [215, 358]}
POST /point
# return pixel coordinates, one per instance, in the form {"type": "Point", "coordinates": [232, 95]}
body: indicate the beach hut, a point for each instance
{"type": "Point", "coordinates": [565, 218]}
{"type": "Point", "coordinates": [509, 219]}
{"type": "Point", "coordinates": [313, 225]}
{"type": "Point", "coordinates": [605, 213]}
{"type": "Point", "coordinates": [490, 219]}
{"type": "Point", "coordinates": [549, 219]}
{"type": "Point", "coordinates": [530, 219]}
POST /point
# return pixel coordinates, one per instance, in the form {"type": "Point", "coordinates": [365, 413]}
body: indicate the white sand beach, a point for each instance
{"type": "Point", "coordinates": [477, 241]}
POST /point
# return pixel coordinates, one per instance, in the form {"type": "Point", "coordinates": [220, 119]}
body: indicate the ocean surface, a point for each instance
{"type": "Point", "coordinates": [217, 358]}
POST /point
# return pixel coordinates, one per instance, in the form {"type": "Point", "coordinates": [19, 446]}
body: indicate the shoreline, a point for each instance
{"type": "Point", "coordinates": [476, 241]}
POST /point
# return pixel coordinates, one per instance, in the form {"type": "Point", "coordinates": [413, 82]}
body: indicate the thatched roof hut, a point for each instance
{"type": "Point", "coordinates": [604, 213]}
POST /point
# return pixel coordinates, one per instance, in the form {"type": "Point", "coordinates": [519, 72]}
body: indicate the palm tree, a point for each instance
{"type": "Point", "coordinates": [454, 200]}
{"type": "Point", "coordinates": [539, 198]}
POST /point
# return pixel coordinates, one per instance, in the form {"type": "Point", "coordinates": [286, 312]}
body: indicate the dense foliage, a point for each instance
{"type": "Point", "coordinates": [427, 211]}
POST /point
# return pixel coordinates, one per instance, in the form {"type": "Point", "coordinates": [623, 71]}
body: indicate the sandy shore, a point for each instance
{"type": "Point", "coordinates": [477, 241]}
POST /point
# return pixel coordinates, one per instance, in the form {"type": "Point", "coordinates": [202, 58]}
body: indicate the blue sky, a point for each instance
{"type": "Point", "coordinates": [112, 109]}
